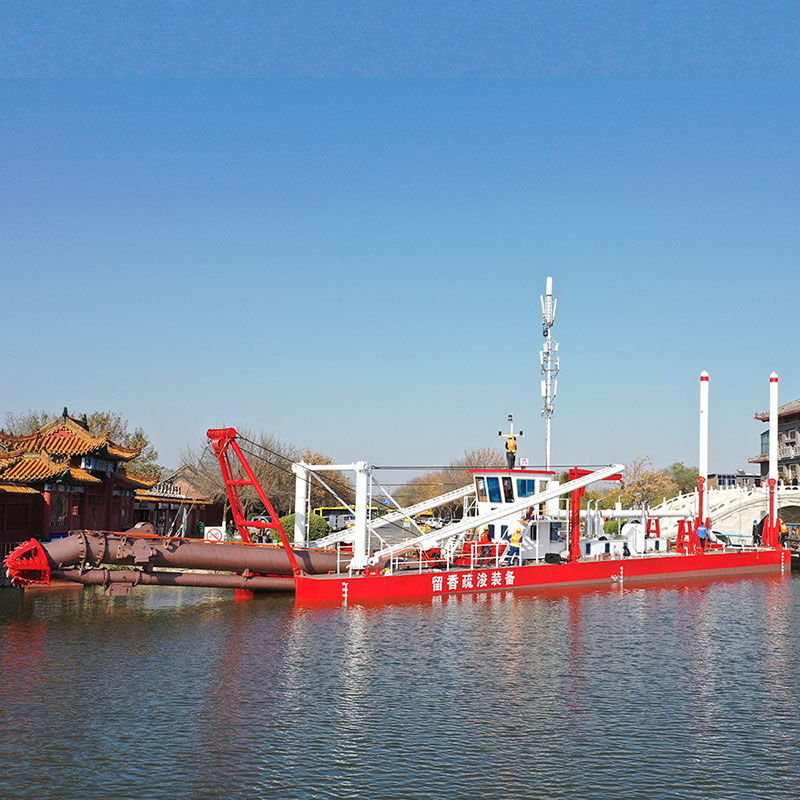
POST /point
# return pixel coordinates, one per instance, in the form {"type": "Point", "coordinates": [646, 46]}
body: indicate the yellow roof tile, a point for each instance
{"type": "Point", "coordinates": [64, 436]}
{"type": "Point", "coordinates": [10, 488]}
{"type": "Point", "coordinates": [36, 467]}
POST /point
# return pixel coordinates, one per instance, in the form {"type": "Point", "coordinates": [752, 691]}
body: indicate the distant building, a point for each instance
{"type": "Point", "coordinates": [788, 443]}
{"type": "Point", "coordinates": [175, 505]}
{"type": "Point", "coordinates": [728, 480]}
{"type": "Point", "coordinates": [63, 478]}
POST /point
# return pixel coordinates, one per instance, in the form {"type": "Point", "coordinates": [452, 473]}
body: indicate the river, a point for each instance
{"type": "Point", "coordinates": [684, 689]}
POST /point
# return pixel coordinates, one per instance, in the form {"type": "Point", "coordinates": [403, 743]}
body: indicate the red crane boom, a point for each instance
{"type": "Point", "coordinates": [223, 440]}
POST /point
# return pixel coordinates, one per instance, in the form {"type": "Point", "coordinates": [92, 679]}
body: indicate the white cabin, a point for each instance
{"type": "Point", "coordinates": [541, 533]}
{"type": "Point", "coordinates": [545, 526]}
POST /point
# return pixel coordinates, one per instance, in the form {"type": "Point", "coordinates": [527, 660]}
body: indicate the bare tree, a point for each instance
{"type": "Point", "coordinates": [319, 496]}
{"type": "Point", "coordinates": [433, 484]}
{"type": "Point", "coordinates": [645, 484]}
{"type": "Point", "coordinates": [271, 461]}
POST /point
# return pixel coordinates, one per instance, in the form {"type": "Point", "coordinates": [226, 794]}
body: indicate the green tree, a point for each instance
{"type": "Point", "coordinates": [317, 527]}
{"type": "Point", "coordinates": [685, 477]}
{"type": "Point", "coordinates": [116, 426]}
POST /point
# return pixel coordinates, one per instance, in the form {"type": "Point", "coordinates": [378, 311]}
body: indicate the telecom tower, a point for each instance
{"type": "Point", "coordinates": [549, 362]}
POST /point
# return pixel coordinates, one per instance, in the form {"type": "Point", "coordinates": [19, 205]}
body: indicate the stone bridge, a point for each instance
{"type": "Point", "coordinates": [732, 510]}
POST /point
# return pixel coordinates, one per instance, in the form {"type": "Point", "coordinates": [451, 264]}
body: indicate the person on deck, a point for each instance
{"type": "Point", "coordinates": [756, 533]}
{"type": "Point", "coordinates": [784, 532]}
{"type": "Point", "coordinates": [702, 535]}
{"type": "Point", "coordinates": [511, 450]}
{"type": "Point", "coordinates": [485, 557]}
{"type": "Point", "coordinates": [513, 548]}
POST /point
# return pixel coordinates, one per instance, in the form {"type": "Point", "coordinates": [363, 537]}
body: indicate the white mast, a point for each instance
{"type": "Point", "coordinates": [549, 362]}
{"type": "Point", "coordinates": [772, 540]}
{"type": "Point", "coordinates": [702, 463]}
{"type": "Point", "coordinates": [703, 456]}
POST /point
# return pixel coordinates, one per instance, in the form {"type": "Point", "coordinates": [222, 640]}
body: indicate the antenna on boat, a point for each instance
{"type": "Point", "coordinates": [550, 364]}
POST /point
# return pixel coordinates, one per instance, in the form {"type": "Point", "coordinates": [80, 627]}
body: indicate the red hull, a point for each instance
{"type": "Point", "coordinates": [342, 589]}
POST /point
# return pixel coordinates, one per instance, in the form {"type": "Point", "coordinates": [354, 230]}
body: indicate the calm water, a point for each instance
{"type": "Point", "coordinates": [675, 690]}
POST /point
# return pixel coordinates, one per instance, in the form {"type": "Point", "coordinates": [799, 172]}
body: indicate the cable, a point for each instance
{"type": "Point", "coordinates": [341, 486]}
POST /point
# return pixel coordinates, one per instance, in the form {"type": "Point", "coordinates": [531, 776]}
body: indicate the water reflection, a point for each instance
{"type": "Point", "coordinates": [679, 689]}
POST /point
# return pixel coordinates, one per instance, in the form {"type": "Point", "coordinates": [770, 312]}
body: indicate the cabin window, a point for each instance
{"type": "Point", "coordinates": [503, 532]}
{"type": "Point", "coordinates": [508, 490]}
{"type": "Point", "coordinates": [480, 486]}
{"type": "Point", "coordinates": [491, 532]}
{"type": "Point", "coordinates": [525, 487]}
{"type": "Point", "coordinates": [494, 490]}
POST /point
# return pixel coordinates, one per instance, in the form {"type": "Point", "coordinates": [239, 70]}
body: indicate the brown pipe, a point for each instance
{"type": "Point", "coordinates": [97, 548]}
{"type": "Point", "coordinates": [104, 577]}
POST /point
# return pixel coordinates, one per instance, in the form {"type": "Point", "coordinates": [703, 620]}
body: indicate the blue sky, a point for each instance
{"type": "Point", "coordinates": [355, 264]}
{"type": "Point", "coordinates": [399, 38]}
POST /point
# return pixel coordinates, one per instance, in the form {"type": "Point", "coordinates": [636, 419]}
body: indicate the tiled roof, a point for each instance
{"type": "Point", "coordinates": [11, 488]}
{"type": "Point", "coordinates": [82, 476]}
{"type": "Point", "coordinates": [39, 467]}
{"type": "Point", "coordinates": [144, 494]}
{"type": "Point", "coordinates": [789, 408]}
{"type": "Point", "coordinates": [136, 481]}
{"type": "Point", "coordinates": [64, 436]}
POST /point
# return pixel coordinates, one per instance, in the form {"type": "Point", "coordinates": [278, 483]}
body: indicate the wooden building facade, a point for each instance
{"type": "Point", "coordinates": [63, 478]}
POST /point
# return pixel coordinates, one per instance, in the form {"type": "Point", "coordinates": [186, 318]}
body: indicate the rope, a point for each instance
{"type": "Point", "coordinates": [338, 483]}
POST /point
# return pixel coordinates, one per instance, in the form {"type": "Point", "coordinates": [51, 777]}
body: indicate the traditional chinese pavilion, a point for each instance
{"type": "Point", "coordinates": [63, 478]}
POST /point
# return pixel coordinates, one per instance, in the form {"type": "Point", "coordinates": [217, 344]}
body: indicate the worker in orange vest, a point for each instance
{"type": "Point", "coordinates": [511, 450]}
{"type": "Point", "coordinates": [784, 533]}
{"type": "Point", "coordinates": [485, 557]}
{"type": "Point", "coordinates": [514, 545]}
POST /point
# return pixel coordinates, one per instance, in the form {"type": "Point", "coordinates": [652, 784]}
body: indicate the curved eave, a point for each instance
{"type": "Point", "coordinates": [140, 484]}
{"type": "Point", "coordinates": [120, 453]}
{"type": "Point", "coordinates": [82, 476]}
{"type": "Point", "coordinates": [13, 488]}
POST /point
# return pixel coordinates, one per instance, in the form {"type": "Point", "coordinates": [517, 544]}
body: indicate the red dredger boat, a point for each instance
{"type": "Point", "coordinates": [552, 547]}
{"type": "Point", "coordinates": [514, 534]}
